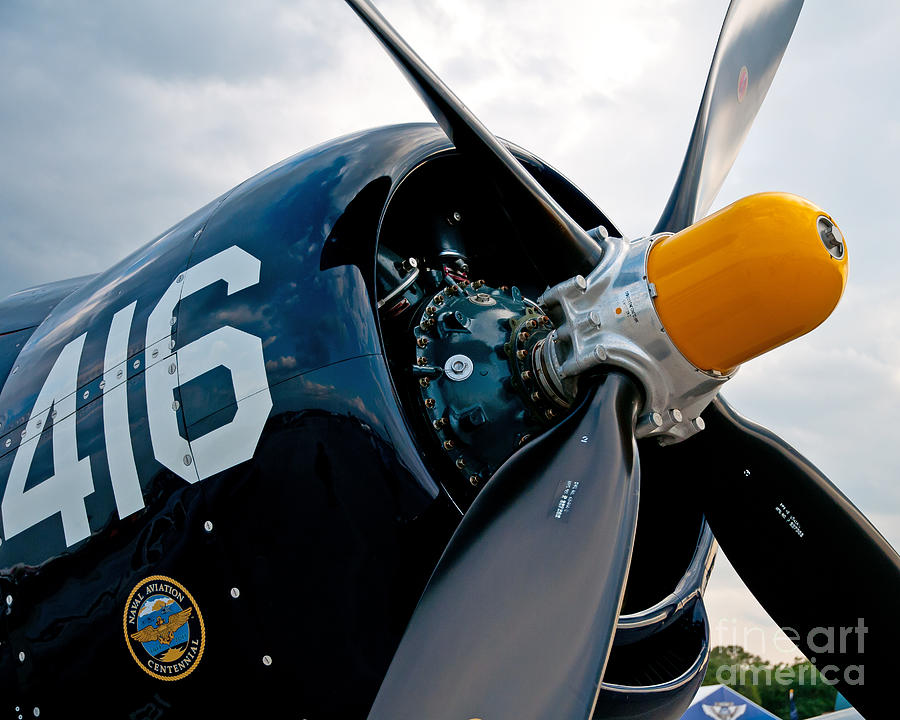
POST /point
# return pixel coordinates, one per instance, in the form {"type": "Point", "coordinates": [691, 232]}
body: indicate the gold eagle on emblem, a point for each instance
{"type": "Point", "coordinates": [163, 631]}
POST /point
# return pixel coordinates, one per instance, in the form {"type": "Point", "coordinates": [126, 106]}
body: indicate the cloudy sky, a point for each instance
{"type": "Point", "coordinates": [118, 119]}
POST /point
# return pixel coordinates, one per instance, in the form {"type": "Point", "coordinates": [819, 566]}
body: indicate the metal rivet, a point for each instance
{"type": "Point", "coordinates": [746, 473]}
{"type": "Point", "coordinates": [208, 526]}
{"type": "Point", "coordinates": [187, 460]}
{"type": "Point", "coordinates": [23, 433]}
{"type": "Point", "coordinates": [172, 369]}
{"type": "Point", "coordinates": [455, 217]}
{"type": "Point", "coordinates": [119, 374]}
{"type": "Point", "coordinates": [15, 369]}
{"type": "Point", "coordinates": [136, 364]}
{"type": "Point", "coordinates": [9, 600]}
{"type": "Point", "coordinates": [37, 712]}
{"type": "Point", "coordinates": [235, 592]}
{"type": "Point", "coordinates": [175, 404]}
{"type": "Point", "coordinates": [197, 234]}
{"type": "Point", "coordinates": [86, 394]}
{"type": "Point", "coordinates": [8, 442]}
{"type": "Point", "coordinates": [37, 425]}
{"type": "Point", "coordinates": [21, 657]}
{"type": "Point", "coordinates": [155, 352]}
{"type": "Point", "coordinates": [173, 320]}
{"type": "Point", "coordinates": [267, 660]}
{"type": "Point", "coordinates": [179, 278]}
{"type": "Point", "coordinates": [172, 344]}
{"type": "Point", "coordinates": [53, 415]}
{"type": "Point", "coordinates": [102, 384]}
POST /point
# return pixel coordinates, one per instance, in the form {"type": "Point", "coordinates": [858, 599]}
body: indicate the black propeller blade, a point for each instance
{"type": "Point", "coordinates": [754, 37]}
{"type": "Point", "coordinates": [811, 558]}
{"type": "Point", "coordinates": [549, 226]}
{"type": "Point", "coordinates": [519, 615]}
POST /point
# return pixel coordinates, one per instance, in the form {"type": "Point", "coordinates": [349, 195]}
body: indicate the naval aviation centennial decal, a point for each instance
{"type": "Point", "coordinates": [164, 628]}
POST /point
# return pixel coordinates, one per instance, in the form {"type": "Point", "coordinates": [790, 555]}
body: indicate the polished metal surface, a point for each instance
{"type": "Point", "coordinates": [607, 319]}
{"type": "Point", "coordinates": [754, 37]}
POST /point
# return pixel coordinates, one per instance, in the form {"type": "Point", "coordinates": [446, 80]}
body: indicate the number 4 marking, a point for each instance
{"type": "Point", "coordinates": [72, 481]}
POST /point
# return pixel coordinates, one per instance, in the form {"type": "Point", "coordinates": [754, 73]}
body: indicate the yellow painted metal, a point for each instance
{"type": "Point", "coordinates": [746, 279]}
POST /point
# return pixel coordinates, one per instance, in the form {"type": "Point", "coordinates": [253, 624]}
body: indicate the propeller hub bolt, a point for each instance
{"type": "Point", "coordinates": [581, 283]}
{"type": "Point", "coordinates": [676, 415]}
{"type": "Point", "coordinates": [698, 423]}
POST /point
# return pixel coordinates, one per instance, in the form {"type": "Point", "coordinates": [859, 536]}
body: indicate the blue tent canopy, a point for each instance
{"type": "Point", "coordinates": [720, 702]}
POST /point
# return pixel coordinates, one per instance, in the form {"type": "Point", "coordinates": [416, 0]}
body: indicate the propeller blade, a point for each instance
{"type": "Point", "coordinates": [545, 224]}
{"type": "Point", "coordinates": [754, 37]}
{"type": "Point", "coordinates": [519, 615]}
{"type": "Point", "coordinates": [811, 558]}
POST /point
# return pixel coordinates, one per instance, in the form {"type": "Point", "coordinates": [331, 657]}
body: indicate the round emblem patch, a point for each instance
{"type": "Point", "coordinates": [743, 80]}
{"type": "Point", "coordinates": [164, 628]}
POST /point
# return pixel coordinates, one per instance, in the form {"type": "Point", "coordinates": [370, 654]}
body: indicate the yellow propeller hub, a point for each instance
{"type": "Point", "coordinates": [758, 273]}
